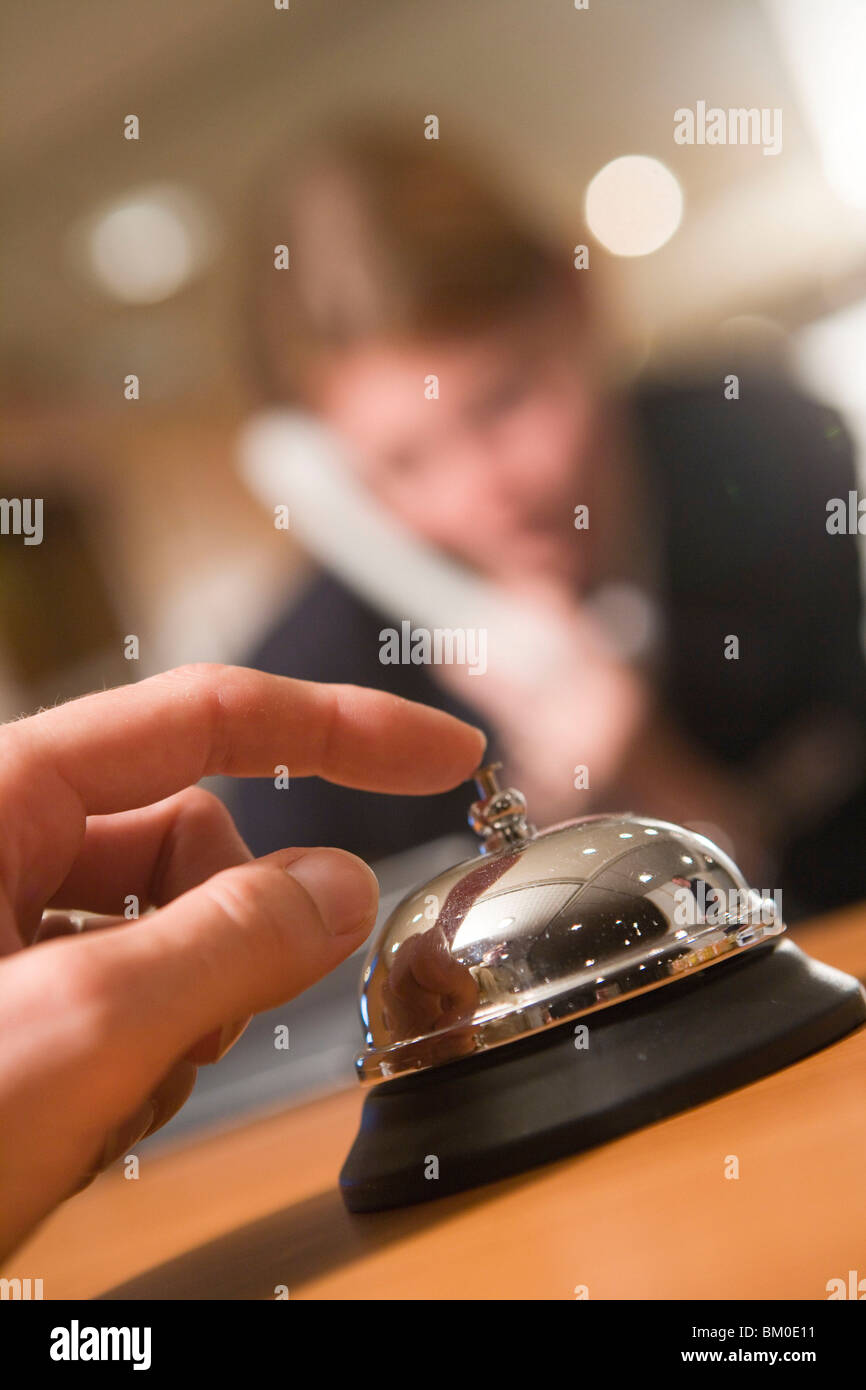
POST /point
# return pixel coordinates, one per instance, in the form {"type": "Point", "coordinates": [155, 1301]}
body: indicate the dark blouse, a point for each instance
{"type": "Point", "coordinates": [741, 491]}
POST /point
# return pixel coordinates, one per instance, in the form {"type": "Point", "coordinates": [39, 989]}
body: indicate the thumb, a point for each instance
{"type": "Point", "coordinates": [248, 939]}
{"type": "Point", "coordinates": [118, 1008]}
{"type": "Point", "coordinates": [95, 1022]}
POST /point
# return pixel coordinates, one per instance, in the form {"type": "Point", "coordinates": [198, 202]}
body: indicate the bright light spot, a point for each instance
{"type": "Point", "coordinates": [145, 247]}
{"type": "Point", "coordinates": [634, 205]}
{"type": "Point", "coordinates": [824, 46]}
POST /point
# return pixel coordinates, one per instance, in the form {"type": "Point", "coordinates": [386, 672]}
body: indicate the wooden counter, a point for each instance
{"type": "Point", "coordinates": [650, 1215]}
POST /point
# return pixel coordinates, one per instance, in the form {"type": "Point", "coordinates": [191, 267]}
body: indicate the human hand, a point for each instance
{"type": "Point", "coordinates": [559, 697]}
{"type": "Point", "coordinates": [103, 1029]}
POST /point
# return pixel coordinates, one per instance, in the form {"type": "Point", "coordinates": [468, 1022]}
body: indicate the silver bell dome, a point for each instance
{"type": "Point", "coordinates": [545, 927]}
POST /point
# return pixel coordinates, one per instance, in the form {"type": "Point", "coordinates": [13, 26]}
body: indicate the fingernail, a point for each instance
{"type": "Point", "coordinates": [343, 888]}
{"type": "Point", "coordinates": [230, 1035]}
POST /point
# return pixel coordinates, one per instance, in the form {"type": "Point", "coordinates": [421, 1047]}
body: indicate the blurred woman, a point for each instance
{"type": "Point", "coordinates": [714, 673]}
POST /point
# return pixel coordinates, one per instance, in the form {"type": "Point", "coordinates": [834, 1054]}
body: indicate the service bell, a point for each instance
{"type": "Point", "coordinates": [565, 986]}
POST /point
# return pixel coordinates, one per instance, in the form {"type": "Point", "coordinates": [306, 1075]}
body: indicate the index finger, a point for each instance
{"type": "Point", "coordinates": [128, 747]}
{"type": "Point", "coordinates": [138, 744]}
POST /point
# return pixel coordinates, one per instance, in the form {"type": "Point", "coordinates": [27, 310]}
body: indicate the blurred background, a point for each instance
{"type": "Point", "coordinates": [163, 539]}
{"type": "Point", "coordinates": [125, 257]}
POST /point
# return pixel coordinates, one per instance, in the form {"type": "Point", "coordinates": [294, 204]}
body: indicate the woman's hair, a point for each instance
{"type": "Point", "coordinates": [389, 237]}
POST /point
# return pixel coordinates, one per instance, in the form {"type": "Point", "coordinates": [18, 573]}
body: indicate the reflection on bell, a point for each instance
{"type": "Point", "coordinates": [566, 986]}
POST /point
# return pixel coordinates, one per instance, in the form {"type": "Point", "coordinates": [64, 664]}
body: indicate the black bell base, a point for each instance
{"type": "Point", "coordinates": [541, 1098]}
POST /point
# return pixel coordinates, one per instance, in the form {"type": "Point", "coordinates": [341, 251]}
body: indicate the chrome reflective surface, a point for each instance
{"type": "Point", "coordinates": [551, 926]}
